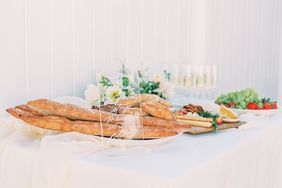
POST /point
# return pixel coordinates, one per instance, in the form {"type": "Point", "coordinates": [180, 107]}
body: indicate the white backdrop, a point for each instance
{"type": "Point", "coordinates": [50, 48]}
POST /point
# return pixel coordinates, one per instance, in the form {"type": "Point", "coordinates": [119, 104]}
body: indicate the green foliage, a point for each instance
{"type": "Point", "coordinates": [106, 82]}
{"type": "Point", "coordinates": [125, 81]}
{"type": "Point", "coordinates": [148, 86]}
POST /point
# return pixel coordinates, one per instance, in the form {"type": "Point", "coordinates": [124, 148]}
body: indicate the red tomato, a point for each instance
{"type": "Point", "coordinates": [219, 121]}
{"type": "Point", "coordinates": [267, 106]}
{"type": "Point", "coordinates": [252, 106]}
{"type": "Point", "coordinates": [232, 104]}
{"type": "Point", "coordinates": [275, 105]}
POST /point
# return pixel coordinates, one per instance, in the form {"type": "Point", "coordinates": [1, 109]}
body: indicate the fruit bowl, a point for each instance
{"type": "Point", "coordinates": [255, 112]}
{"type": "Point", "coordinates": [248, 101]}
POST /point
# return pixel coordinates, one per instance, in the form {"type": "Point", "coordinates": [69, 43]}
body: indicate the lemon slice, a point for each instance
{"type": "Point", "coordinates": [226, 112]}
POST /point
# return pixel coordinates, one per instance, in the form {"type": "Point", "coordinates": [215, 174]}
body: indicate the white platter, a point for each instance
{"type": "Point", "coordinates": [255, 112]}
{"type": "Point", "coordinates": [38, 133]}
{"type": "Point", "coordinates": [130, 143]}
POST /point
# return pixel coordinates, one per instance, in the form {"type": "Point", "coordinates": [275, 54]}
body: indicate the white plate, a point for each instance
{"type": "Point", "coordinates": [255, 112]}
{"type": "Point", "coordinates": [228, 120]}
{"type": "Point", "coordinates": [112, 141]}
{"type": "Point", "coordinates": [121, 142]}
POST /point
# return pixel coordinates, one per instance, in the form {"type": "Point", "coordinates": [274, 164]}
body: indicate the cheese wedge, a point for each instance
{"type": "Point", "coordinates": [225, 111]}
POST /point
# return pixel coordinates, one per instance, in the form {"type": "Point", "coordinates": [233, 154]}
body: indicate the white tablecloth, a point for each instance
{"type": "Point", "coordinates": [249, 157]}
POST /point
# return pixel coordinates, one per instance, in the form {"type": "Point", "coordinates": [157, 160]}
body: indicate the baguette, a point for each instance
{"type": "Point", "coordinates": [165, 103]}
{"type": "Point", "coordinates": [132, 111]}
{"type": "Point", "coordinates": [28, 109]}
{"type": "Point", "coordinates": [73, 112]}
{"type": "Point", "coordinates": [132, 101]}
{"type": "Point", "coordinates": [135, 100]}
{"type": "Point", "coordinates": [156, 98]}
{"type": "Point", "coordinates": [46, 122]}
{"type": "Point", "coordinates": [157, 110]}
{"type": "Point", "coordinates": [110, 130]}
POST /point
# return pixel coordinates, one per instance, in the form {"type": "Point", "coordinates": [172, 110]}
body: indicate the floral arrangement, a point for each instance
{"type": "Point", "coordinates": [107, 91]}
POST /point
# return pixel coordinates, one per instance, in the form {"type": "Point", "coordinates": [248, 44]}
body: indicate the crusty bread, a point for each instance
{"type": "Point", "coordinates": [131, 101]}
{"type": "Point", "coordinates": [16, 112]}
{"type": "Point", "coordinates": [135, 100]}
{"type": "Point", "coordinates": [74, 112]}
{"type": "Point", "coordinates": [110, 130]}
{"type": "Point", "coordinates": [94, 128]}
{"type": "Point", "coordinates": [132, 111]}
{"type": "Point", "coordinates": [46, 122]}
{"type": "Point", "coordinates": [116, 109]}
{"type": "Point", "coordinates": [165, 103]}
{"type": "Point", "coordinates": [28, 109]}
{"type": "Point", "coordinates": [157, 110]}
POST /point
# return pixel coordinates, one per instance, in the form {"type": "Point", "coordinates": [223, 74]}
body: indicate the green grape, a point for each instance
{"type": "Point", "coordinates": [243, 104]}
{"type": "Point", "coordinates": [241, 98]}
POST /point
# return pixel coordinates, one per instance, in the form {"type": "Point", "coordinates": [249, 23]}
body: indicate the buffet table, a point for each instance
{"type": "Point", "coordinates": [250, 156]}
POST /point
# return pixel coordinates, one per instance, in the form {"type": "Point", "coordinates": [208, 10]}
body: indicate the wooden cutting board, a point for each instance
{"type": "Point", "coordinates": [224, 126]}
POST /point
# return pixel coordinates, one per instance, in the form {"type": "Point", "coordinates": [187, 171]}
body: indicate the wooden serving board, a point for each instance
{"type": "Point", "coordinates": [224, 126]}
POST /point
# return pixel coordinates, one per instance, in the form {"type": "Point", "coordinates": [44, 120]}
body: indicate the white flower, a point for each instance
{"type": "Point", "coordinates": [166, 89]}
{"type": "Point", "coordinates": [92, 94]}
{"type": "Point", "coordinates": [131, 78]}
{"type": "Point", "coordinates": [158, 78]}
{"type": "Point", "coordinates": [118, 83]}
{"type": "Point", "coordinates": [113, 95]}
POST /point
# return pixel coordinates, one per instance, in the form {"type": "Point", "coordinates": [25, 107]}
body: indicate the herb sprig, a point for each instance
{"type": "Point", "coordinates": [207, 114]}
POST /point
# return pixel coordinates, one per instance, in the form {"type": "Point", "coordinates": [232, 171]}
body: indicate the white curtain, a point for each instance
{"type": "Point", "coordinates": [45, 39]}
{"type": "Point", "coordinates": [280, 75]}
